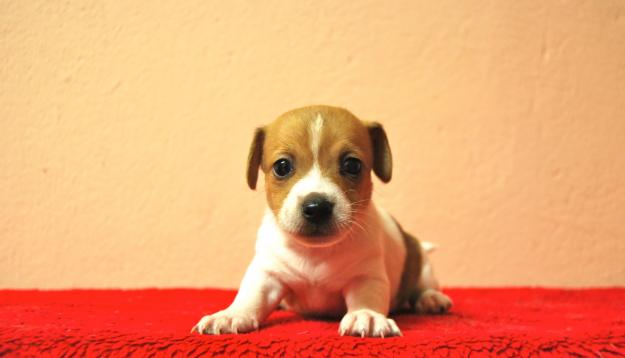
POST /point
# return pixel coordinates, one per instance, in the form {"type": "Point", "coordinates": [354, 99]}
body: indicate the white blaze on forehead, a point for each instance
{"type": "Point", "coordinates": [315, 137]}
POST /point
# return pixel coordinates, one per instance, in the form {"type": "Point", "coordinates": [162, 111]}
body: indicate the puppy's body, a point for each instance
{"type": "Point", "coordinates": [316, 276]}
{"type": "Point", "coordinates": [324, 248]}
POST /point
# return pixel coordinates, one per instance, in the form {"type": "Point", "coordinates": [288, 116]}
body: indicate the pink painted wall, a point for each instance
{"type": "Point", "coordinates": [125, 127]}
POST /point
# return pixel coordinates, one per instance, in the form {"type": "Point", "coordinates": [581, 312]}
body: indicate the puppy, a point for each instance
{"type": "Point", "coordinates": [324, 248]}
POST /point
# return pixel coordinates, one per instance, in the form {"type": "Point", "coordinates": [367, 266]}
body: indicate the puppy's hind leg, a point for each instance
{"type": "Point", "coordinates": [429, 298]}
{"type": "Point", "coordinates": [419, 288]}
{"type": "Point", "coordinates": [432, 301]}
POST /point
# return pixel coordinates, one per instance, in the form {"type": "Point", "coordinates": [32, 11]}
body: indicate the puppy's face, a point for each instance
{"type": "Point", "coordinates": [317, 163]}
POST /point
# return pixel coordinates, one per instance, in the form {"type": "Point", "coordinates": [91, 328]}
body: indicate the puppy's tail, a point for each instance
{"type": "Point", "coordinates": [428, 247]}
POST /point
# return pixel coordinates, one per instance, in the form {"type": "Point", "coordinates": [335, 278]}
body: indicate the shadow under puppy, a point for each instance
{"type": "Point", "coordinates": [324, 248]}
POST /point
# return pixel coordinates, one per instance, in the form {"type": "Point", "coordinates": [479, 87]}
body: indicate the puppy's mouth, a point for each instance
{"type": "Point", "coordinates": [324, 234]}
{"type": "Point", "coordinates": [319, 235]}
{"type": "Point", "coordinates": [317, 231]}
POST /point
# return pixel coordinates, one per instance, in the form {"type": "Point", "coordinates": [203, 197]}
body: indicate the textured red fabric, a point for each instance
{"type": "Point", "coordinates": [515, 322]}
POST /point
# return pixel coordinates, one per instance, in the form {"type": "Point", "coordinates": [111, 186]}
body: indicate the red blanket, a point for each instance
{"type": "Point", "coordinates": [517, 322]}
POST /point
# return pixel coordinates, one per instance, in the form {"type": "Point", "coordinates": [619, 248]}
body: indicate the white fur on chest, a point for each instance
{"type": "Point", "coordinates": [316, 276]}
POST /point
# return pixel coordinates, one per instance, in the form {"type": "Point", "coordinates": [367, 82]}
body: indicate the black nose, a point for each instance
{"type": "Point", "coordinates": [316, 208]}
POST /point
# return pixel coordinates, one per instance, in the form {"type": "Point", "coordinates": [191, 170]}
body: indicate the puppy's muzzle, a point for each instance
{"type": "Point", "coordinates": [317, 209]}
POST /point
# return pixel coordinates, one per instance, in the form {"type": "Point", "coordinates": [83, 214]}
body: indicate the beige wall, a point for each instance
{"type": "Point", "coordinates": [125, 126]}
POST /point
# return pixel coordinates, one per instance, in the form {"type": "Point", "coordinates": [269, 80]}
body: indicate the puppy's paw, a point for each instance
{"type": "Point", "coordinates": [368, 323]}
{"type": "Point", "coordinates": [225, 322]}
{"type": "Point", "coordinates": [433, 301]}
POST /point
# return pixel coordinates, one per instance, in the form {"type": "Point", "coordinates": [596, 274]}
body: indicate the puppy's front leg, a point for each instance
{"type": "Point", "coordinates": [368, 301]}
{"type": "Point", "coordinates": [259, 294]}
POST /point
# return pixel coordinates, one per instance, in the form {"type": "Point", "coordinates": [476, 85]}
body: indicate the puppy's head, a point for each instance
{"type": "Point", "coordinates": [317, 162]}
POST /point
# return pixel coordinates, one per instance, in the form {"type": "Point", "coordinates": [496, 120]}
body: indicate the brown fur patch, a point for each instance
{"type": "Point", "coordinates": [408, 288]}
{"type": "Point", "coordinates": [382, 157]}
{"type": "Point", "coordinates": [286, 137]}
{"type": "Point", "coordinates": [254, 157]}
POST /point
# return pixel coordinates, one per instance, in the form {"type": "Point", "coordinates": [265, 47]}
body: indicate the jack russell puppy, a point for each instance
{"type": "Point", "coordinates": [324, 248]}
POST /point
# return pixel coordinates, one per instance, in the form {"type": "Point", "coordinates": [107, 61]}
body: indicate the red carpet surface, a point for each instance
{"type": "Point", "coordinates": [483, 322]}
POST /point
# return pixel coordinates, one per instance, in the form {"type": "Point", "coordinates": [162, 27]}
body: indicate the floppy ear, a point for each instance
{"type": "Point", "coordinates": [382, 158]}
{"type": "Point", "coordinates": [254, 157]}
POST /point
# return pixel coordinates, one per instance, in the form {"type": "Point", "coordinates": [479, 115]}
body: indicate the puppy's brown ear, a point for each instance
{"type": "Point", "coordinates": [254, 157]}
{"type": "Point", "coordinates": [382, 158]}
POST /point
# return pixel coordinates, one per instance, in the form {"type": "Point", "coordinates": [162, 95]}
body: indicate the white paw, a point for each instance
{"type": "Point", "coordinates": [368, 323]}
{"type": "Point", "coordinates": [433, 301]}
{"type": "Point", "coordinates": [226, 322]}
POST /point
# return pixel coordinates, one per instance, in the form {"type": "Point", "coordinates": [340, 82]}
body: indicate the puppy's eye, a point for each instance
{"type": "Point", "coordinates": [282, 168]}
{"type": "Point", "coordinates": [351, 166]}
